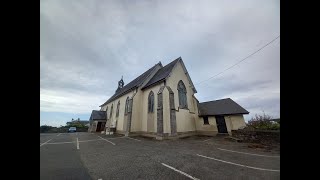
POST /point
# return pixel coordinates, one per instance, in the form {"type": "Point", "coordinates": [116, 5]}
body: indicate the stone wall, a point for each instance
{"type": "Point", "coordinates": [257, 136]}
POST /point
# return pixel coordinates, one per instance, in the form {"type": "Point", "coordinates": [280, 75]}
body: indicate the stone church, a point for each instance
{"type": "Point", "coordinates": [160, 103]}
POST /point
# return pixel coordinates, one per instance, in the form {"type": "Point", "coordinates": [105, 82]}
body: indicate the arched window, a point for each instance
{"type": "Point", "coordinates": [111, 111]}
{"type": "Point", "coordinates": [107, 113]}
{"type": "Point", "coordinates": [126, 106]}
{"type": "Point", "coordinates": [150, 102]}
{"type": "Point", "coordinates": [182, 91]}
{"type": "Point", "coordinates": [118, 107]}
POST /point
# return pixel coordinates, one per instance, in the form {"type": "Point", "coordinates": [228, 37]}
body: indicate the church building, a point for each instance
{"type": "Point", "coordinates": [160, 103]}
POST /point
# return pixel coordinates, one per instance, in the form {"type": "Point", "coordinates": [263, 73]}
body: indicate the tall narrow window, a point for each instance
{"type": "Point", "coordinates": [205, 120]}
{"type": "Point", "coordinates": [150, 102]}
{"type": "Point", "coordinates": [182, 91]}
{"type": "Point", "coordinates": [111, 111]}
{"type": "Point", "coordinates": [126, 106]}
{"type": "Point", "coordinates": [107, 113]}
{"type": "Point", "coordinates": [130, 105]}
{"type": "Point", "coordinates": [118, 107]}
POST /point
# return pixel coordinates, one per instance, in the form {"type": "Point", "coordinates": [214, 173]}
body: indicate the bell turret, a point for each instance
{"type": "Point", "coordinates": [120, 84]}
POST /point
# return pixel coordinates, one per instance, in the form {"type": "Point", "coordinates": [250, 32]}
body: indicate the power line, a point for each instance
{"type": "Point", "coordinates": [240, 60]}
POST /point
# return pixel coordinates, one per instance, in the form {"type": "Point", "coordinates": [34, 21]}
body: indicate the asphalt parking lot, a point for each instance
{"type": "Point", "coordinates": [97, 156]}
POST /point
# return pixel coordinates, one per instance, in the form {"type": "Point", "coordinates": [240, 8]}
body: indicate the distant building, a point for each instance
{"type": "Point", "coordinates": [275, 120]}
{"type": "Point", "coordinates": [161, 103]}
{"type": "Point", "coordinates": [77, 121]}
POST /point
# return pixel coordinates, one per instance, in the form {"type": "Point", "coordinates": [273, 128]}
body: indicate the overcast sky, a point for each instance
{"type": "Point", "coordinates": [86, 46]}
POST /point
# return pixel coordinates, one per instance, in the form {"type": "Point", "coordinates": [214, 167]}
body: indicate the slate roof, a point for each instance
{"type": "Point", "coordinates": [161, 74]}
{"type": "Point", "coordinates": [99, 115]}
{"type": "Point", "coordinates": [132, 85]}
{"type": "Point", "coordinates": [221, 107]}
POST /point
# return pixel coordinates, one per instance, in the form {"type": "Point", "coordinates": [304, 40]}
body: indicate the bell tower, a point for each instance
{"type": "Point", "coordinates": [120, 84]}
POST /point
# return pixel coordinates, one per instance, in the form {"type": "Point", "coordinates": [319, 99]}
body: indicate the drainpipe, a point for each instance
{"type": "Point", "coordinates": [231, 125]}
{"type": "Point", "coordinates": [130, 108]}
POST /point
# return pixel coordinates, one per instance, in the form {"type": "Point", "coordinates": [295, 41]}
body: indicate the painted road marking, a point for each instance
{"type": "Point", "coordinates": [180, 171]}
{"type": "Point", "coordinates": [91, 140]}
{"type": "Point", "coordinates": [74, 141]}
{"type": "Point", "coordinates": [246, 153]}
{"type": "Point", "coordinates": [58, 134]}
{"type": "Point", "coordinates": [238, 164]}
{"type": "Point", "coordinates": [133, 139]}
{"type": "Point", "coordinates": [61, 142]}
{"type": "Point", "coordinates": [114, 137]}
{"type": "Point", "coordinates": [45, 142]}
{"type": "Point", "coordinates": [78, 143]}
{"type": "Point", "coordinates": [107, 140]}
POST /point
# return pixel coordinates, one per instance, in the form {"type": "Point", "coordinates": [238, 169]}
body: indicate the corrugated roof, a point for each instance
{"type": "Point", "coordinates": [99, 115]}
{"type": "Point", "coordinates": [132, 85]}
{"type": "Point", "coordinates": [220, 107]}
{"type": "Point", "coordinates": [161, 74]}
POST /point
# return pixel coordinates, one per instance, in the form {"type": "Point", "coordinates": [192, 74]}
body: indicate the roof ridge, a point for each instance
{"type": "Point", "coordinates": [132, 84]}
{"type": "Point", "coordinates": [155, 79]}
{"type": "Point", "coordinates": [140, 75]}
{"type": "Point", "coordinates": [216, 100]}
{"type": "Point", "coordinates": [221, 107]}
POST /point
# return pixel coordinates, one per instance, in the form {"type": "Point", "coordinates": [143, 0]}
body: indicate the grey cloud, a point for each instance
{"type": "Point", "coordinates": [85, 46]}
{"type": "Point", "coordinates": [270, 106]}
{"type": "Point", "coordinates": [225, 86]}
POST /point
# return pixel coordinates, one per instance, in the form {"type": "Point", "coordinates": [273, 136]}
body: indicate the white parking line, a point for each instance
{"type": "Point", "coordinates": [238, 164]}
{"type": "Point", "coordinates": [115, 137]}
{"type": "Point", "coordinates": [78, 143]}
{"type": "Point", "coordinates": [179, 171]}
{"type": "Point", "coordinates": [91, 140]}
{"type": "Point", "coordinates": [87, 140]}
{"type": "Point", "coordinates": [45, 142]}
{"type": "Point", "coordinates": [133, 139]}
{"type": "Point", "coordinates": [75, 141]}
{"type": "Point", "coordinates": [107, 140]}
{"type": "Point", "coordinates": [58, 134]}
{"type": "Point", "coordinates": [61, 142]}
{"type": "Point", "coordinates": [246, 153]}
{"type": "Point", "coordinates": [206, 140]}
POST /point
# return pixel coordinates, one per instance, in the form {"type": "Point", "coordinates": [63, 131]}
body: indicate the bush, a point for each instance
{"type": "Point", "coordinates": [263, 122]}
{"type": "Point", "coordinates": [45, 128]}
{"type": "Point", "coordinates": [76, 124]}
